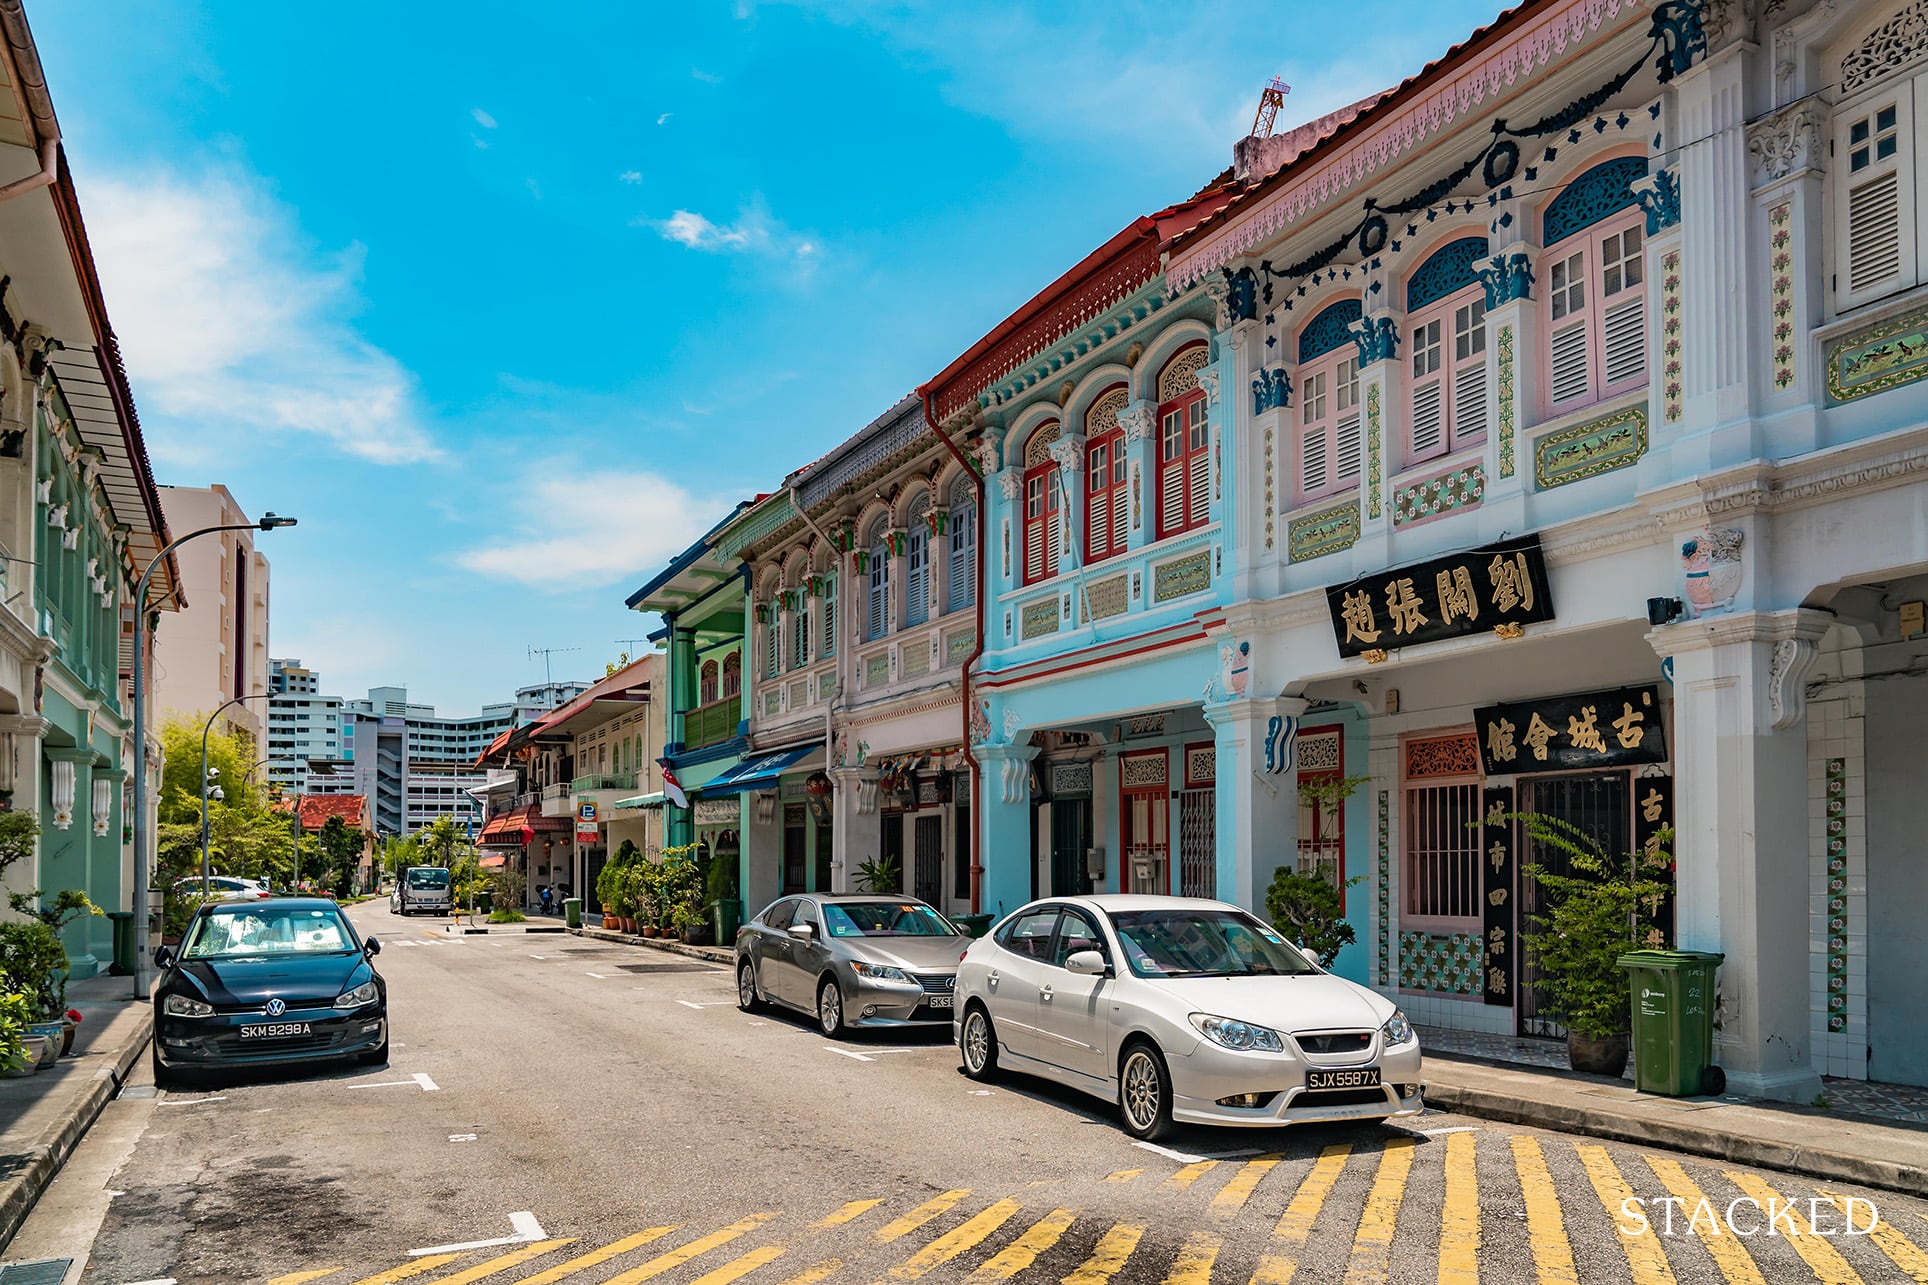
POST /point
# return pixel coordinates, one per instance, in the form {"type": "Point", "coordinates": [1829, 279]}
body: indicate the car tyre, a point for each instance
{"type": "Point", "coordinates": [746, 997]}
{"type": "Point", "coordinates": [830, 1014]}
{"type": "Point", "coordinates": [163, 1077]}
{"type": "Point", "coordinates": [979, 1044]}
{"type": "Point", "coordinates": [1145, 1092]}
{"type": "Point", "coordinates": [377, 1055]}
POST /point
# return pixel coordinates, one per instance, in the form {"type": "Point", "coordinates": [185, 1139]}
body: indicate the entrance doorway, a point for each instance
{"type": "Point", "coordinates": [891, 851]}
{"type": "Point", "coordinates": [793, 849]}
{"type": "Point", "coordinates": [1600, 805]}
{"type": "Point", "coordinates": [824, 850]}
{"type": "Point", "coordinates": [927, 858]}
{"type": "Point", "coordinates": [1070, 841]}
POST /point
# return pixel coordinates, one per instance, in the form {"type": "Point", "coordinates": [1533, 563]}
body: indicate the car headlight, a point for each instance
{"type": "Point", "coordinates": [362, 994]}
{"type": "Point", "coordinates": [880, 972]}
{"type": "Point", "coordinates": [186, 1006]}
{"type": "Point", "coordinates": [1243, 1036]}
{"type": "Point", "coordinates": [1397, 1029]}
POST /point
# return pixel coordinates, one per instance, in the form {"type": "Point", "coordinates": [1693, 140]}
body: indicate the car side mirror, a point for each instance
{"type": "Point", "coordinates": [1087, 963]}
{"type": "Point", "coordinates": [805, 931]}
{"type": "Point", "coordinates": [371, 947]}
{"type": "Point", "coordinates": [163, 956]}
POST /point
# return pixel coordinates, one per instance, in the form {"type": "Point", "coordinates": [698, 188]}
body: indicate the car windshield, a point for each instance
{"type": "Point", "coordinates": [267, 930]}
{"type": "Point", "coordinates": [1203, 943]}
{"type": "Point", "coordinates": [428, 878]}
{"type": "Point", "coordinates": [885, 919]}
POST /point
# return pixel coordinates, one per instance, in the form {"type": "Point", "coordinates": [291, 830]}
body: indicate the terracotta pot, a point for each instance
{"type": "Point", "coordinates": [649, 930]}
{"type": "Point", "coordinates": [1605, 1055]}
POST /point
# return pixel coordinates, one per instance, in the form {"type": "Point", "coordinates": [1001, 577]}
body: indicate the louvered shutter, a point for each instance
{"type": "Point", "coordinates": [1100, 540]}
{"type": "Point", "coordinates": [1346, 453]}
{"type": "Point", "coordinates": [1429, 419]}
{"type": "Point", "coordinates": [1469, 402]}
{"type": "Point", "coordinates": [1171, 495]}
{"type": "Point", "coordinates": [917, 586]}
{"type": "Point", "coordinates": [879, 621]}
{"type": "Point", "coordinates": [1200, 505]}
{"type": "Point", "coordinates": [1570, 363]}
{"type": "Point", "coordinates": [829, 647]}
{"type": "Point", "coordinates": [1626, 340]}
{"type": "Point", "coordinates": [963, 568]}
{"type": "Point", "coordinates": [1312, 460]}
{"type": "Point", "coordinates": [1120, 510]}
{"type": "Point", "coordinates": [1876, 171]}
{"type": "Point", "coordinates": [1053, 529]}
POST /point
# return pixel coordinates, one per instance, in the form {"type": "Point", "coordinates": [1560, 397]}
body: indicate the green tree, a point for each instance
{"type": "Point", "coordinates": [1308, 910]}
{"type": "Point", "coordinates": [247, 835]}
{"type": "Point", "coordinates": [442, 842]}
{"type": "Point", "coordinates": [338, 853]}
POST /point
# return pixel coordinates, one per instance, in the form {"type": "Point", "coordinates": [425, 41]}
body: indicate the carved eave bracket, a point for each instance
{"type": "Point", "coordinates": [1789, 143]}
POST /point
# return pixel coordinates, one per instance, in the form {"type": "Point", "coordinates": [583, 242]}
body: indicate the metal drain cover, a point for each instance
{"type": "Point", "coordinates": [43, 1271]}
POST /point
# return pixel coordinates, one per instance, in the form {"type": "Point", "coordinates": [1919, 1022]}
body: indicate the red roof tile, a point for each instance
{"type": "Point", "coordinates": [316, 809]}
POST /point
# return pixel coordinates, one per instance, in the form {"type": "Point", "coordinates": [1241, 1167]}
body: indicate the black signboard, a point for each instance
{"type": "Point", "coordinates": [1653, 813]}
{"type": "Point", "coordinates": [1501, 584]}
{"type": "Point", "coordinates": [1564, 733]}
{"type": "Point", "coordinates": [1497, 865]}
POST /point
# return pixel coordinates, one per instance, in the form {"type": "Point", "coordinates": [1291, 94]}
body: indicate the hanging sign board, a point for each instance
{"type": "Point", "coordinates": [1466, 593]}
{"type": "Point", "coordinates": [1565, 733]}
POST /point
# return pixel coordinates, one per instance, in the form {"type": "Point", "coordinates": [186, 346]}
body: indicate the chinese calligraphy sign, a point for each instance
{"type": "Point", "coordinates": [1500, 586]}
{"type": "Point", "coordinates": [1497, 872]}
{"type": "Point", "coordinates": [1653, 816]}
{"type": "Point", "coordinates": [1563, 733]}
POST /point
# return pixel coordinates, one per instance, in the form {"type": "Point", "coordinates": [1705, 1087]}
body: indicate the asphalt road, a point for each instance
{"type": "Point", "coordinates": [610, 1105]}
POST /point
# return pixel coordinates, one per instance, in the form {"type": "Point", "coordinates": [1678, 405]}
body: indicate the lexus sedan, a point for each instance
{"type": "Point", "coordinates": [1180, 1009]}
{"type": "Point", "coordinates": [253, 983]}
{"type": "Point", "coordinates": [850, 961]}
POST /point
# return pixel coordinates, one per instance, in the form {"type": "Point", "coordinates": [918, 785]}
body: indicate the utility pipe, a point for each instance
{"type": "Point", "coordinates": [830, 711]}
{"type": "Point", "coordinates": [49, 171]}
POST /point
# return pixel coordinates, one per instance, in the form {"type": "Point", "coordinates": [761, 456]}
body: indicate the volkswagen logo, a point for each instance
{"type": "Point", "coordinates": [276, 1008]}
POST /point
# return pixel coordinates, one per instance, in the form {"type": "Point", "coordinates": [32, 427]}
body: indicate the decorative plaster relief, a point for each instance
{"type": "Point", "coordinates": [1889, 355]}
{"type": "Point", "coordinates": [1461, 488]}
{"type": "Point", "coordinates": [1138, 421]}
{"type": "Point", "coordinates": [1507, 380]}
{"type": "Point", "coordinates": [1036, 619]}
{"type": "Point", "coordinates": [1108, 598]}
{"type": "Point", "coordinates": [1787, 680]}
{"type": "Point", "coordinates": [1670, 343]}
{"type": "Point", "coordinates": [60, 781]}
{"type": "Point", "coordinates": [1658, 195]}
{"type": "Point", "coordinates": [1780, 289]}
{"type": "Point", "coordinates": [1590, 449]}
{"type": "Point", "coordinates": [1711, 562]}
{"type": "Point", "coordinates": [1330, 530]}
{"type": "Point", "coordinates": [1375, 475]}
{"type": "Point", "coordinates": [1181, 576]}
{"type": "Point", "coordinates": [1788, 142]}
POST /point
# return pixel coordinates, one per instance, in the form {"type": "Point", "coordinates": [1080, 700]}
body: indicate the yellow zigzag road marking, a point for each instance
{"type": "Point", "coordinates": [811, 1276]}
{"type": "Point", "coordinates": [1193, 1266]}
{"type": "Point", "coordinates": [741, 1267]}
{"type": "Point", "coordinates": [1123, 1175]}
{"type": "Point", "coordinates": [1114, 1247]}
{"type": "Point", "coordinates": [951, 1244]}
{"type": "Point", "coordinates": [1459, 1220]}
{"type": "Point", "coordinates": [1189, 1174]}
{"type": "Point", "coordinates": [1645, 1258]}
{"type": "Point", "coordinates": [595, 1257]}
{"type": "Point", "coordinates": [407, 1270]}
{"type": "Point", "coordinates": [1906, 1254]}
{"type": "Point", "coordinates": [1372, 1245]}
{"type": "Point", "coordinates": [849, 1213]}
{"type": "Point", "coordinates": [1235, 1193]}
{"type": "Point", "coordinates": [482, 1271]}
{"type": "Point", "coordinates": [1734, 1262]}
{"type": "Point", "coordinates": [300, 1278]}
{"type": "Point", "coordinates": [1295, 1224]}
{"type": "Point", "coordinates": [1545, 1225]}
{"type": "Point", "coordinates": [1024, 1251]}
{"type": "Point", "coordinates": [917, 1217]}
{"type": "Point", "coordinates": [1824, 1258]}
{"type": "Point", "coordinates": [677, 1257]}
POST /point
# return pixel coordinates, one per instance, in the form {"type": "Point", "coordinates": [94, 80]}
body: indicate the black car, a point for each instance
{"type": "Point", "coordinates": [253, 983]}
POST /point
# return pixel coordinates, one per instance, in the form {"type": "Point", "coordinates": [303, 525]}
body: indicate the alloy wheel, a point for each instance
{"type": "Point", "coordinates": [1143, 1089]}
{"type": "Point", "coordinates": [830, 1009]}
{"type": "Point", "coordinates": [745, 988]}
{"type": "Point", "coordinates": [977, 1041]}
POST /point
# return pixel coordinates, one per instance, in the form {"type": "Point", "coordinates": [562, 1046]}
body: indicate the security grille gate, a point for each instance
{"type": "Point", "coordinates": [928, 849]}
{"type": "Point", "coordinates": [793, 815]}
{"type": "Point", "coordinates": [1602, 808]}
{"type": "Point", "coordinates": [1198, 843]}
{"type": "Point", "coordinates": [1070, 838]}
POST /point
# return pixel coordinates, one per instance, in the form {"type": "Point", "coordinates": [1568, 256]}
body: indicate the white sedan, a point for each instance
{"type": "Point", "coordinates": [1213, 1017]}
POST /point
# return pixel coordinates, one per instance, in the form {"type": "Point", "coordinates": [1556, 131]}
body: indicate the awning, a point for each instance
{"type": "Point", "coordinates": [761, 772]}
{"type": "Point", "coordinates": [655, 800]}
{"type": "Point", "coordinates": [517, 826]}
{"type": "Point", "coordinates": [491, 863]}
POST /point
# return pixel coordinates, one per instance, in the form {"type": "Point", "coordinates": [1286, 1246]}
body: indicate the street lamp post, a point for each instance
{"type": "Point", "coordinates": [207, 777]}
{"type": "Point", "coordinates": [268, 522]}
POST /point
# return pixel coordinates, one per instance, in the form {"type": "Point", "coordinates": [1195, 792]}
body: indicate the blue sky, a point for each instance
{"type": "Point", "coordinates": [508, 303]}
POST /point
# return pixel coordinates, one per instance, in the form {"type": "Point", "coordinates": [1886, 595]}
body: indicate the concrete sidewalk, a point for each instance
{"type": "Point", "coordinates": [715, 954]}
{"type": "Point", "coordinates": [44, 1116]}
{"type": "Point", "coordinates": [1771, 1135]}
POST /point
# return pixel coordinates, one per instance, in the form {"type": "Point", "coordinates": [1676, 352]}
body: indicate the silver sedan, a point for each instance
{"type": "Point", "coordinates": [851, 961]}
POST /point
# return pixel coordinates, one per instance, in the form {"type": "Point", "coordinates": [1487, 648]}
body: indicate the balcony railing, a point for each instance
{"type": "Point", "coordinates": [603, 781]}
{"type": "Point", "coordinates": [710, 724]}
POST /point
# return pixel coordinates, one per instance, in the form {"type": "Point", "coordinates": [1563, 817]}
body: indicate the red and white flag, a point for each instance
{"type": "Point", "coordinates": [673, 788]}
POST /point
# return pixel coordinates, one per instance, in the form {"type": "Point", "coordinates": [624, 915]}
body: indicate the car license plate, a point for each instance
{"type": "Point", "coordinates": [938, 1001]}
{"type": "Point", "coordinates": [1365, 1077]}
{"type": "Point", "coordinates": [274, 1030]}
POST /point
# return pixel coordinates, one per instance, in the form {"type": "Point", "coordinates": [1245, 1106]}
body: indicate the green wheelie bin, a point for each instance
{"type": "Point", "coordinates": [1673, 1021]}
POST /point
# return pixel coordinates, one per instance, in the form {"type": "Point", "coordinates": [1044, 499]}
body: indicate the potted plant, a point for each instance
{"type": "Point", "coordinates": [881, 875]}
{"type": "Point", "coordinates": [16, 1010]}
{"type": "Point", "coordinates": [1309, 910]}
{"type": "Point", "coordinates": [1597, 911]}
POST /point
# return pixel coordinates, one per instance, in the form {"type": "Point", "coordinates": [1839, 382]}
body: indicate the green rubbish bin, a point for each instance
{"type": "Point", "coordinates": [726, 916]}
{"type": "Point", "coordinates": [484, 902]}
{"type": "Point", "coordinates": [975, 925]}
{"type": "Point", "coordinates": [572, 911]}
{"type": "Point", "coordinates": [1673, 1021]}
{"type": "Point", "coordinates": [123, 941]}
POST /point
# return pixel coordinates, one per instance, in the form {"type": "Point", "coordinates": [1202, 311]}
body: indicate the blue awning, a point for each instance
{"type": "Point", "coordinates": [759, 773]}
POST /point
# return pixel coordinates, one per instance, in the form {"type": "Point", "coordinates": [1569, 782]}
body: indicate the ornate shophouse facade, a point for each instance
{"type": "Point", "coordinates": [1575, 466]}
{"type": "Point", "coordinates": [863, 595]}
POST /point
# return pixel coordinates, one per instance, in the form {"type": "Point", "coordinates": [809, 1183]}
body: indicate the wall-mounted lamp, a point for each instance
{"type": "Point", "coordinates": [1664, 611]}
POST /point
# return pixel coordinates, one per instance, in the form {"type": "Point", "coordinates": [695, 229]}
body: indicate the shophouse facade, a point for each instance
{"type": "Point", "coordinates": [1620, 515]}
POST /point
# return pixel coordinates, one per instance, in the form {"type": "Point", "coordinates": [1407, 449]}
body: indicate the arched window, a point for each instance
{"type": "Point", "coordinates": [733, 675]}
{"type": "Point", "coordinates": [1327, 445]}
{"type": "Point", "coordinates": [877, 619]}
{"type": "Point", "coordinates": [706, 685]}
{"type": "Point", "coordinates": [828, 646]}
{"type": "Point", "coordinates": [961, 591]}
{"type": "Point", "coordinates": [917, 563]}
{"type": "Point", "coordinates": [1042, 519]}
{"type": "Point", "coordinates": [1184, 434]}
{"type": "Point", "coordinates": [1446, 318]}
{"type": "Point", "coordinates": [1106, 506]}
{"type": "Point", "coordinates": [1596, 295]}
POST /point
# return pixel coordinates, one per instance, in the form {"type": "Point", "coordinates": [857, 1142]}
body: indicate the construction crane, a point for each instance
{"type": "Point", "coordinates": [1269, 102]}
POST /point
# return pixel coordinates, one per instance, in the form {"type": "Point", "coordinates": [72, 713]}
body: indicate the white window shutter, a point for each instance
{"type": "Point", "coordinates": [1346, 456]}
{"type": "Point", "coordinates": [1626, 340]}
{"type": "Point", "coordinates": [1428, 417]}
{"type": "Point", "coordinates": [1171, 496]}
{"type": "Point", "coordinates": [1875, 205]}
{"type": "Point", "coordinates": [1570, 363]}
{"type": "Point", "coordinates": [1120, 510]}
{"type": "Point", "coordinates": [1469, 402]}
{"type": "Point", "coordinates": [1312, 460]}
{"type": "Point", "coordinates": [1100, 523]}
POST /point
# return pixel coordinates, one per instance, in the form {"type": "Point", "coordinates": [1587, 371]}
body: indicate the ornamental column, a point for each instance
{"type": "Point", "coordinates": [1005, 772]}
{"type": "Point", "coordinates": [855, 834]}
{"type": "Point", "coordinates": [1514, 334]}
{"type": "Point", "coordinates": [1257, 801]}
{"type": "Point", "coordinates": [1139, 420]}
{"type": "Point", "coordinates": [1068, 452]}
{"type": "Point", "coordinates": [1741, 848]}
{"type": "Point", "coordinates": [1381, 392]}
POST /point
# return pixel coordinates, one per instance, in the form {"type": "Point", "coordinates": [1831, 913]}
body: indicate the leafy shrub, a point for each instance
{"type": "Point", "coordinates": [1308, 910]}
{"type": "Point", "coordinates": [33, 962]}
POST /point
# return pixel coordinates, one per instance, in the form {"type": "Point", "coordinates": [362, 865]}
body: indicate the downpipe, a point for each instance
{"type": "Point", "coordinates": [970, 664]}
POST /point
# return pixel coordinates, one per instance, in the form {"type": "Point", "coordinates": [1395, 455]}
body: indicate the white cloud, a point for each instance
{"type": "Point", "coordinates": [596, 530]}
{"type": "Point", "coordinates": [630, 176]}
{"type": "Point", "coordinates": [664, 118]}
{"type": "Point", "coordinates": [698, 233]}
{"type": "Point", "coordinates": [230, 322]}
{"type": "Point", "coordinates": [753, 232]}
{"type": "Point", "coordinates": [482, 118]}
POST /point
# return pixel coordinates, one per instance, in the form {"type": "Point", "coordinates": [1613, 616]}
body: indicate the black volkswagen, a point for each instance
{"type": "Point", "coordinates": [266, 982]}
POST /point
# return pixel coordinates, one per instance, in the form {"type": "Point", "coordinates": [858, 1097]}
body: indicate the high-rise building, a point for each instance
{"type": "Point", "coordinates": [216, 648]}
{"type": "Point", "coordinates": [304, 727]}
{"type": "Point", "coordinates": [414, 764]}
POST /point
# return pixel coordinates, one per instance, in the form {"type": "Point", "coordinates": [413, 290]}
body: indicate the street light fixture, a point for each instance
{"type": "Point", "coordinates": [139, 896]}
{"type": "Point", "coordinates": [208, 789]}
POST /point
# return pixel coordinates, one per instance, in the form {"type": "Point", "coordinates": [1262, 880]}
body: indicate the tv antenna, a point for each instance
{"type": "Point", "coordinates": [548, 676]}
{"type": "Point", "coordinates": [629, 646]}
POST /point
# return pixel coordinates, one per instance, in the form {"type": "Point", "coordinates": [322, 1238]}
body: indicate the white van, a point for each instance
{"type": "Point", "coordinates": [422, 888]}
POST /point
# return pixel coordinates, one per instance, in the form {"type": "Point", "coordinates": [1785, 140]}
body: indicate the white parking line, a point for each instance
{"type": "Point", "coordinates": [715, 1003]}
{"type": "Point", "coordinates": [871, 1055]}
{"type": "Point", "coordinates": [524, 1226]}
{"type": "Point", "coordinates": [1186, 1157]}
{"type": "Point", "coordinates": [418, 1080]}
{"type": "Point", "coordinates": [188, 1102]}
{"type": "Point", "coordinates": [601, 977]}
